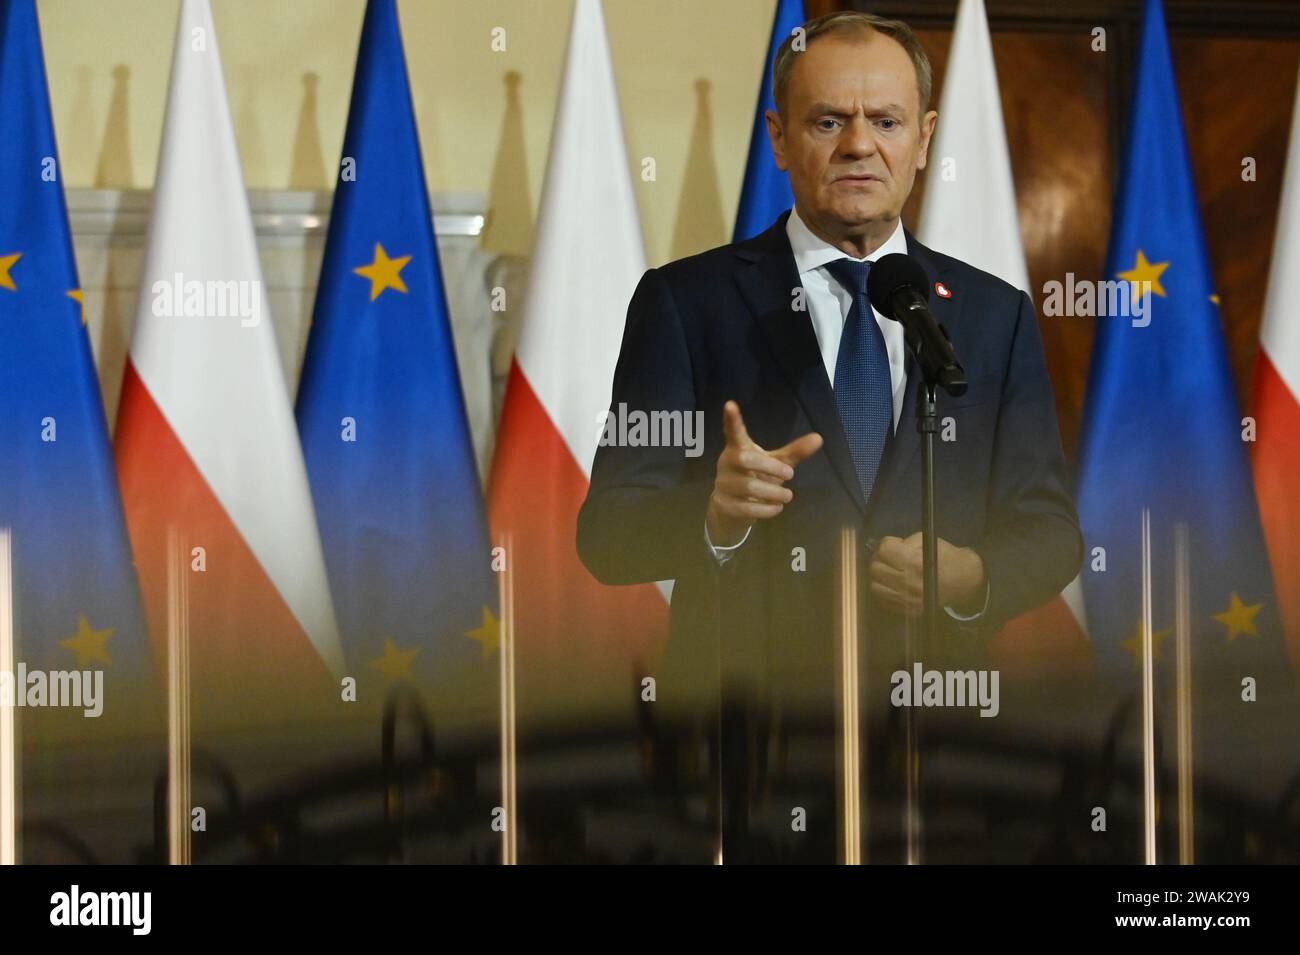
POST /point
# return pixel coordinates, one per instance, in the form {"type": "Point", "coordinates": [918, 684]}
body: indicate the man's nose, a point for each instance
{"type": "Point", "coordinates": [858, 138]}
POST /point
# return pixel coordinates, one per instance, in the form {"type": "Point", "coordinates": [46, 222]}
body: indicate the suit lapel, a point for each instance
{"type": "Point", "coordinates": [767, 284]}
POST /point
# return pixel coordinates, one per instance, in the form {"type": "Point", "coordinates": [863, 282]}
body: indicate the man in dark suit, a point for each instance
{"type": "Point", "coordinates": [808, 401]}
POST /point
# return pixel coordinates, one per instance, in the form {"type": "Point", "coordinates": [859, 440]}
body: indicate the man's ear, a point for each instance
{"type": "Point", "coordinates": [776, 134]}
{"type": "Point", "coordinates": [927, 130]}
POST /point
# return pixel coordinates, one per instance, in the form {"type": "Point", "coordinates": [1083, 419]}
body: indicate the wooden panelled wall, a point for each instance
{"type": "Point", "coordinates": [1065, 108]}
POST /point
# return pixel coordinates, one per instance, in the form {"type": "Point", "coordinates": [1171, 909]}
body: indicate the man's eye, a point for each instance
{"type": "Point", "coordinates": [889, 124]}
{"type": "Point", "coordinates": [827, 124]}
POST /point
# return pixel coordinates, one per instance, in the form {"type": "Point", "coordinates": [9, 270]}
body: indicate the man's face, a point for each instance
{"type": "Point", "coordinates": [854, 136]}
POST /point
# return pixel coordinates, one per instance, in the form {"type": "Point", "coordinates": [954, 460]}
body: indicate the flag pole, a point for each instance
{"type": "Point", "coordinates": [509, 836]}
{"type": "Point", "coordinates": [851, 756]}
{"type": "Point", "coordinates": [178, 702]}
{"type": "Point", "coordinates": [1183, 695]}
{"type": "Point", "coordinates": [1148, 703]}
{"type": "Point", "coordinates": [8, 714]}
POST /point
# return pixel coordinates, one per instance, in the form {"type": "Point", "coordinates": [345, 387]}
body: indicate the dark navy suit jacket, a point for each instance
{"type": "Point", "coordinates": [728, 324]}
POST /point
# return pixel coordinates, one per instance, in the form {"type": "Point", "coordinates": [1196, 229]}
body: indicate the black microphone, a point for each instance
{"type": "Point", "coordinates": [898, 289]}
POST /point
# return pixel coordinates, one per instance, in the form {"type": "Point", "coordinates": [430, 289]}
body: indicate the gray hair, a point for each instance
{"type": "Point", "coordinates": [843, 21]}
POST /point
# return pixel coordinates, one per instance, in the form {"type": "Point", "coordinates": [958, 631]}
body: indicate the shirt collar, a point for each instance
{"type": "Point", "coordinates": [811, 252]}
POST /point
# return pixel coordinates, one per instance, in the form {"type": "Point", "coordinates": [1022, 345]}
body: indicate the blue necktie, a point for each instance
{"type": "Point", "coordinates": [864, 393]}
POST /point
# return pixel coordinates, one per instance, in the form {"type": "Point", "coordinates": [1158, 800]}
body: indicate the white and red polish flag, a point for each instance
{"type": "Point", "coordinates": [970, 212]}
{"type": "Point", "coordinates": [588, 257]}
{"type": "Point", "coordinates": [206, 440]}
{"type": "Point", "coordinates": [1275, 455]}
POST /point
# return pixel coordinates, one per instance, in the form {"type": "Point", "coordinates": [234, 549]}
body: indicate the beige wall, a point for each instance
{"type": "Point", "coordinates": [687, 73]}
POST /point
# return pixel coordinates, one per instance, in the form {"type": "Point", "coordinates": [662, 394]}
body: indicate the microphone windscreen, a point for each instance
{"type": "Point", "coordinates": [888, 273]}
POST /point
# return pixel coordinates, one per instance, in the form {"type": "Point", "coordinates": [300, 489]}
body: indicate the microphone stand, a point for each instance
{"type": "Point", "coordinates": [927, 423]}
{"type": "Point", "coordinates": [933, 372]}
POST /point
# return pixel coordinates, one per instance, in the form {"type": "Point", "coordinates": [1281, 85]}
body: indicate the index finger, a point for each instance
{"type": "Point", "coordinates": [800, 449]}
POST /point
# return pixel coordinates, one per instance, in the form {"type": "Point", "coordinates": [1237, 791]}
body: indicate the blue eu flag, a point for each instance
{"type": "Point", "coordinates": [1162, 429]}
{"type": "Point", "coordinates": [766, 193]}
{"type": "Point", "coordinates": [76, 606]}
{"type": "Point", "coordinates": [380, 408]}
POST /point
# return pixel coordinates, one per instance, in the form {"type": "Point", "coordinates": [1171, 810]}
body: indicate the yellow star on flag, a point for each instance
{"type": "Point", "coordinates": [88, 644]}
{"type": "Point", "coordinates": [395, 664]}
{"type": "Point", "coordinates": [1145, 275]}
{"type": "Point", "coordinates": [1239, 618]}
{"type": "Point", "coordinates": [1134, 643]}
{"type": "Point", "coordinates": [489, 634]}
{"type": "Point", "coordinates": [383, 272]}
{"type": "Point", "coordinates": [6, 263]}
{"type": "Point", "coordinates": [78, 296]}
